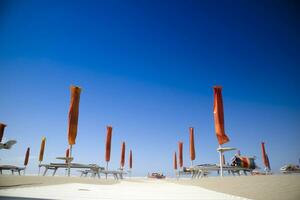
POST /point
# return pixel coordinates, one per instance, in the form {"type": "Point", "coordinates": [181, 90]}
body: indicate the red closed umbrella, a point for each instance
{"type": "Point", "coordinates": [26, 160]}
{"type": "Point", "coordinates": [192, 145]}
{"type": "Point", "coordinates": [180, 147]}
{"type": "Point", "coordinates": [265, 157]}
{"type": "Point", "coordinates": [130, 160]}
{"type": "Point", "coordinates": [122, 163]}
{"type": "Point", "coordinates": [2, 127]}
{"type": "Point", "coordinates": [175, 161]}
{"type": "Point", "coordinates": [219, 116]}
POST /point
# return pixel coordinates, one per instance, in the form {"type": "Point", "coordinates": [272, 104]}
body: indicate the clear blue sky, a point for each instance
{"type": "Point", "coordinates": [147, 68]}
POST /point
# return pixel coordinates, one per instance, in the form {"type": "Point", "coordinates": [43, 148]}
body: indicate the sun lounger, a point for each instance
{"type": "Point", "coordinates": [55, 166]}
{"type": "Point", "coordinates": [11, 168]}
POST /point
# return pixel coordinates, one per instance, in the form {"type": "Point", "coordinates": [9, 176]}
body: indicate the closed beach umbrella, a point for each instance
{"type": "Point", "coordinates": [219, 116]}
{"type": "Point", "coordinates": [122, 163]}
{"type": "Point", "coordinates": [180, 147]}
{"type": "Point", "coordinates": [219, 122]}
{"type": "Point", "coordinates": [27, 157]}
{"type": "Point", "coordinates": [108, 143]}
{"type": "Point", "coordinates": [130, 160]}
{"type": "Point", "coordinates": [223, 159]}
{"type": "Point", "coordinates": [238, 152]}
{"type": "Point", "coordinates": [73, 117]}
{"type": "Point", "coordinates": [192, 145]}
{"type": "Point", "coordinates": [42, 149]}
{"type": "Point", "coordinates": [73, 114]}
{"type": "Point", "coordinates": [175, 161]}
{"type": "Point", "coordinates": [2, 127]}
{"type": "Point", "coordinates": [264, 156]}
{"type": "Point", "coordinates": [108, 146]}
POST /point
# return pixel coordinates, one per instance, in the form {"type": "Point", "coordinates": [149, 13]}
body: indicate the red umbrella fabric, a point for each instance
{"type": "Point", "coordinates": [192, 144]}
{"type": "Point", "coordinates": [108, 143]}
{"type": "Point", "coordinates": [27, 157]}
{"type": "Point", "coordinates": [130, 160]}
{"type": "Point", "coordinates": [123, 155]}
{"type": "Point", "coordinates": [175, 161]}
{"type": "Point", "coordinates": [180, 146]}
{"type": "Point", "coordinates": [2, 127]}
{"type": "Point", "coordinates": [219, 116]}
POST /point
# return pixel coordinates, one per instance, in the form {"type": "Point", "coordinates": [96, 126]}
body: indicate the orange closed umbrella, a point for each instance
{"type": "Point", "coordinates": [175, 161]}
{"type": "Point", "coordinates": [2, 127]}
{"type": "Point", "coordinates": [73, 117]}
{"type": "Point", "coordinates": [42, 150]}
{"type": "Point", "coordinates": [180, 146]}
{"type": "Point", "coordinates": [130, 159]}
{"type": "Point", "coordinates": [192, 145]}
{"type": "Point", "coordinates": [122, 163]}
{"type": "Point", "coordinates": [26, 158]}
{"type": "Point", "coordinates": [219, 116]}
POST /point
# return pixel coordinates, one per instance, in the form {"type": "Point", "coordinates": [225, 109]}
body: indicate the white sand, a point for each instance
{"type": "Point", "coordinates": [146, 189]}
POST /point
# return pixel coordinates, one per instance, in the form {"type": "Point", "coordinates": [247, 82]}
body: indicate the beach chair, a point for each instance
{"type": "Point", "coordinates": [117, 174]}
{"type": "Point", "coordinates": [11, 168]}
{"type": "Point", "coordinates": [8, 144]}
{"type": "Point", "coordinates": [95, 169]}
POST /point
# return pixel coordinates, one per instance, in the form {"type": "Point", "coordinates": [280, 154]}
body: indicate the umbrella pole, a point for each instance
{"type": "Point", "coordinates": [221, 163]}
{"type": "Point", "coordinates": [106, 170]}
{"type": "Point", "coordinates": [69, 161]}
{"type": "Point", "coordinates": [39, 168]}
{"type": "Point", "coordinates": [192, 163]}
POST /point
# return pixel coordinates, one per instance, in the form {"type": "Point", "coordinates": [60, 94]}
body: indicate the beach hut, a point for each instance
{"type": "Point", "coordinates": [73, 119]}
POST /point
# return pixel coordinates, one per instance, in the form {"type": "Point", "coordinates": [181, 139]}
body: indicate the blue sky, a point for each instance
{"type": "Point", "coordinates": [147, 68]}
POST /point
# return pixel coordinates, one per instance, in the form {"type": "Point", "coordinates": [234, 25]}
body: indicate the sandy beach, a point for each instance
{"type": "Point", "coordinates": [253, 187]}
{"type": "Point", "coordinates": [250, 187]}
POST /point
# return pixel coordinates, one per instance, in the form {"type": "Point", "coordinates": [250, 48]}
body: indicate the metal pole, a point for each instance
{"type": "Point", "coordinates": [39, 168]}
{"type": "Point", "coordinates": [106, 170]}
{"type": "Point", "coordinates": [221, 163]}
{"type": "Point", "coordinates": [69, 161]}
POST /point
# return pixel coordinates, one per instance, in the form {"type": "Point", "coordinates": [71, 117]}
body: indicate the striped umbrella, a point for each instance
{"type": "Point", "coordinates": [122, 163]}
{"type": "Point", "coordinates": [192, 145]}
{"type": "Point", "coordinates": [2, 127]}
{"type": "Point", "coordinates": [73, 118]}
{"type": "Point", "coordinates": [42, 150]}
